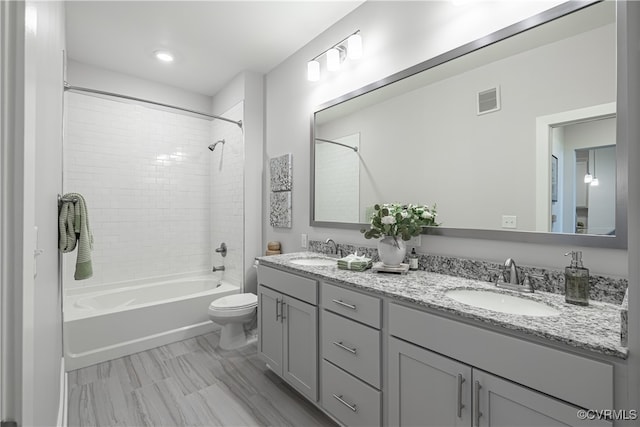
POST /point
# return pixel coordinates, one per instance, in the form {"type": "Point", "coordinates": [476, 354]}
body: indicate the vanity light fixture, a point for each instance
{"type": "Point", "coordinates": [163, 55]}
{"type": "Point", "coordinates": [349, 47]}
{"type": "Point", "coordinates": [333, 59]}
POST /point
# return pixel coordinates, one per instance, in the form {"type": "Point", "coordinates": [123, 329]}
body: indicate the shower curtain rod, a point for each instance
{"type": "Point", "coordinates": [67, 86]}
{"type": "Point", "coordinates": [337, 143]}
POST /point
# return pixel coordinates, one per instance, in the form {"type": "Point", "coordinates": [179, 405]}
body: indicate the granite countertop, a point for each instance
{"type": "Point", "coordinates": [595, 327]}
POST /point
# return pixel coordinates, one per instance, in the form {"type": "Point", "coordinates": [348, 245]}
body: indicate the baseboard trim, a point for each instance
{"type": "Point", "coordinates": [62, 407]}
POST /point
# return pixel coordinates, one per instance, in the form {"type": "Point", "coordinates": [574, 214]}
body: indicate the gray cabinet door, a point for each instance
{"type": "Point", "coordinates": [505, 404]}
{"type": "Point", "coordinates": [300, 366]}
{"type": "Point", "coordinates": [426, 389]}
{"type": "Point", "coordinates": [270, 338]}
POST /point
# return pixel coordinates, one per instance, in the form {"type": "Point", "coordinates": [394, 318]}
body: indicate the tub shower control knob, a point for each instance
{"type": "Point", "coordinates": [222, 250]}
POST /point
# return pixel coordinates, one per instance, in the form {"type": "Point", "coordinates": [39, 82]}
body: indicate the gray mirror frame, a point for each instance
{"type": "Point", "coordinates": [619, 241]}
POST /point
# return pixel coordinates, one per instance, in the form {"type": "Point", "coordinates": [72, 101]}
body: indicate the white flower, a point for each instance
{"type": "Point", "coordinates": [389, 219]}
{"type": "Point", "coordinates": [426, 214]}
{"type": "Point", "coordinates": [404, 214]}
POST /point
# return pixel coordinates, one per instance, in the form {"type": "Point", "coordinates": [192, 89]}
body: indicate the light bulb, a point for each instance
{"type": "Point", "coordinates": [333, 59]}
{"type": "Point", "coordinates": [313, 71]}
{"type": "Point", "coordinates": [164, 56]}
{"type": "Point", "coordinates": [588, 178]}
{"type": "Point", "coordinates": [595, 182]}
{"type": "Point", "coordinates": [354, 46]}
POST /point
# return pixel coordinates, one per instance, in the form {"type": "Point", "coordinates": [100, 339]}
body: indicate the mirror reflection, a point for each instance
{"type": "Point", "coordinates": [466, 135]}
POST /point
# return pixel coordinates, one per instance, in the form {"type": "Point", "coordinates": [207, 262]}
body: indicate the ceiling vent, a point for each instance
{"type": "Point", "coordinates": [489, 100]}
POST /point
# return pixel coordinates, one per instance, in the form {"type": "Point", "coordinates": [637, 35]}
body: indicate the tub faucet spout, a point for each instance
{"type": "Point", "coordinates": [220, 268]}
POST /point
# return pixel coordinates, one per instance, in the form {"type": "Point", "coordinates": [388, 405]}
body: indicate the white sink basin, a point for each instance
{"type": "Point", "coordinates": [315, 262]}
{"type": "Point", "coordinates": [502, 303]}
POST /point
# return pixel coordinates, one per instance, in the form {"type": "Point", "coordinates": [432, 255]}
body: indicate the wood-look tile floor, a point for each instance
{"type": "Point", "coordinates": [187, 383]}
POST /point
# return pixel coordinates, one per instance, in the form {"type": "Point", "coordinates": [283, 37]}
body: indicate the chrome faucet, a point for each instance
{"type": "Point", "coordinates": [514, 278]}
{"type": "Point", "coordinates": [511, 278]}
{"type": "Point", "coordinates": [334, 250]}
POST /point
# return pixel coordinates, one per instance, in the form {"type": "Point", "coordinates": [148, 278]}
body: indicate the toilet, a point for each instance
{"type": "Point", "coordinates": [232, 312]}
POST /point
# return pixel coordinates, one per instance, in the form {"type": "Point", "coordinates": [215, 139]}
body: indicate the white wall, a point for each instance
{"type": "Point", "coordinates": [396, 35]}
{"type": "Point", "coordinates": [248, 88]}
{"type": "Point", "coordinates": [92, 77]}
{"type": "Point", "coordinates": [32, 351]}
{"type": "Point", "coordinates": [145, 175]}
{"type": "Point", "coordinates": [227, 195]}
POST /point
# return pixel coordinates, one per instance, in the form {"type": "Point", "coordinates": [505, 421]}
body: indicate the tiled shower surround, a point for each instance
{"type": "Point", "coordinates": [227, 195]}
{"type": "Point", "coordinates": [605, 289]}
{"type": "Point", "coordinates": [145, 174]}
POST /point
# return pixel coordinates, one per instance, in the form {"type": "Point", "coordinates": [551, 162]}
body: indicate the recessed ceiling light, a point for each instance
{"type": "Point", "coordinates": [163, 55]}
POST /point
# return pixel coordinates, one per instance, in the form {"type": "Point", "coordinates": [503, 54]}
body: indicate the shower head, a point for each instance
{"type": "Point", "coordinates": [213, 146]}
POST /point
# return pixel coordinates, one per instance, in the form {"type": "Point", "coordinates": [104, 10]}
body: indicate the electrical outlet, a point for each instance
{"type": "Point", "coordinates": [415, 242]}
{"type": "Point", "coordinates": [304, 241]}
{"type": "Point", "coordinates": [509, 221]}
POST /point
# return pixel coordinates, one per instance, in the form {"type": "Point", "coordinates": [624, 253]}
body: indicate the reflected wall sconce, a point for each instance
{"type": "Point", "coordinates": [588, 178]}
{"type": "Point", "coordinates": [350, 47]}
{"type": "Point", "coordinates": [595, 182]}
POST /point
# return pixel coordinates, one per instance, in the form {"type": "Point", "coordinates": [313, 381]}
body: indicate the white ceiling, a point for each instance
{"type": "Point", "coordinates": [213, 41]}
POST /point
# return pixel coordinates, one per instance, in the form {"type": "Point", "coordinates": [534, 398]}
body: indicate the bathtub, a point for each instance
{"type": "Point", "coordinates": [103, 323]}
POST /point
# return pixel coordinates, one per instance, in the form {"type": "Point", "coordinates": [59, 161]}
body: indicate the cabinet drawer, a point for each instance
{"type": "Point", "coordinates": [357, 306]}
{"type": "Point", "coordinates": [290, 284]}
{"type": "Point", "coordinates": [352, 346]}
{"type": "Point", "coordinates": [351, 401]}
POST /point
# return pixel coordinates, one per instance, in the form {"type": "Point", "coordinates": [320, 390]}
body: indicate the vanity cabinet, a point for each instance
{"type": "Point", "coordinates": [429, 388]}
{"type": "Point", "coordinates": [288, 328]}
{"type": "Point", "coordinates": [352, 356]}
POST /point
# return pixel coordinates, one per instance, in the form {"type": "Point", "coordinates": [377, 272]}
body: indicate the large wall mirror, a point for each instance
{"type": "Point", "coordinates": [502, 134]}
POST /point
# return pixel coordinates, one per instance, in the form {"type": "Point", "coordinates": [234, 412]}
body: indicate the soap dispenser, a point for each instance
{"type": "Point", "coordinates": [576, 280]}
{"type": "Point", "coordinates": [413, 260]}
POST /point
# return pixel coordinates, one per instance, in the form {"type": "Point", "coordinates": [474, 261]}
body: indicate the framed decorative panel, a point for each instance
{"type": "Point", "coordinates": [280, 213]}
{"type": "Point", "coordinates": [281, 178]}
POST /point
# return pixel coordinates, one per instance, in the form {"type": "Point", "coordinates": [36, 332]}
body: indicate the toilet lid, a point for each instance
{"type": "Point", "coordinates": [234, 302]}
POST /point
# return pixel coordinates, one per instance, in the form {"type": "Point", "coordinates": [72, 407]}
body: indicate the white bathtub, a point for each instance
{"type": "Point", "coordinates": [107, 323]}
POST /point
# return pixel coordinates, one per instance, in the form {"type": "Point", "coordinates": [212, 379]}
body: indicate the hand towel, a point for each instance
{"type": "Point", "coordinates": [354, 262]}
{"type": "Point", "coordinates": [74, 228]}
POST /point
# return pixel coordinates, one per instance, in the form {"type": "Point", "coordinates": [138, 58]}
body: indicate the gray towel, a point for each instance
{"type": "Point", "coordinates": [74, 228]}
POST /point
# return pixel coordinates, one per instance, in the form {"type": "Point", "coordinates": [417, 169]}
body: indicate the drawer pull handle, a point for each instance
{"type": "Point", "coordinates": [476, 402]}
{"type": "Point", "coordinates": [277, 305]}
{"type": "Point", "coordinates": [282, 316]}
{"type": "Point", "coordinates": [460, 404]}
{"type": "Point", "coordinates": [344, 304]}
{"type": "Point", "coordinates": [341, 400]}
{"type": "Point", "coordinates": [344, 347]}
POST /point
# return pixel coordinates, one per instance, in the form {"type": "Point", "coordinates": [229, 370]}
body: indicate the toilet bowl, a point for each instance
{"type": "Point", "coordinates": [232, 312]}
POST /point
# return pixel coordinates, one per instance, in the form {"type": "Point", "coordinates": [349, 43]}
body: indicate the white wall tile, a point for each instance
{"type": "Point", "coordinates": [145, 175]}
